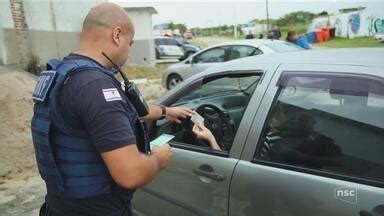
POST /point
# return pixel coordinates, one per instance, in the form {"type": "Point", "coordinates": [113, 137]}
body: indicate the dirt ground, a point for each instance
{"type": "Point", "coordinates": [15, 115]}
{"type": "Point", "coordinates": [21, 188]}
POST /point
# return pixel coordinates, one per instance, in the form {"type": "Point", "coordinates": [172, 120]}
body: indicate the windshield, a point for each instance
{"type": "Point", "coordinates": [223, 86]}
{"type": "Point", "coordinates": [283, 47]}
{"type": "Point", "coordinates": [166, 41]}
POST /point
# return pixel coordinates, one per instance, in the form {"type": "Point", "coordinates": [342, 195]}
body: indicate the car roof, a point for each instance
{"type": "Point", "coordinates": [366, 57]}
{"type": "Point", "coordinates": [162, 37]}
{"type": "Point", "coordinates": [347, 56]}
{"type": "Point", "coordinates": [251, 42]}
{"type": "Point", "coordinates": [371, 57]}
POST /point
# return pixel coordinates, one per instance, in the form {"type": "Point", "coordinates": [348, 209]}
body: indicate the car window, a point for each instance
{"type": "Point", "coordinates": [333, 124]}
{"type": "Point", "coordinates": [221, 101]}
{"type": "Point", "coordinates": [242, 51]}
{"type": "Point", "coordinates": [166, 41]}
{"type": "Point", "coordinates": [283, 47]}
{"type": "Point", "coordinates": [218, 54]}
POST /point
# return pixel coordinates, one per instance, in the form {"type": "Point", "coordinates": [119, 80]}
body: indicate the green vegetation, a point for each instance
{"type": "Point", "coordinates": [355, 42]}
{"type": "Point", "coordinates": [141, 72]}
{"type": "Point", "coordinates": [198, 42]}
{"type": "Point", "coordinates": [182, 27]}
{"type": "Point", "coordinates": [224, 30]}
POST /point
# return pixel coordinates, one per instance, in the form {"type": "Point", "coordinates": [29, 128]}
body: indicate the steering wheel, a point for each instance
{"type": "Point", "coordinates": [218, 123]}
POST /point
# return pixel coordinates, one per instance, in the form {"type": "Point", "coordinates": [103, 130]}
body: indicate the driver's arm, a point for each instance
{"type": "Point", "coordinates": [175, 114]}
{"type": "Point", "coordinates": [204, 133]}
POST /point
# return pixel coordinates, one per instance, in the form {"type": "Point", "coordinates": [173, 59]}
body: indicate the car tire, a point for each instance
{"type": "Point", "coordinates": [173, 80]}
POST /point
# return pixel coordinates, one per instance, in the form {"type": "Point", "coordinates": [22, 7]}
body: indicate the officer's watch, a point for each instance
{"type": "Point", "coordinates": [163, 111]}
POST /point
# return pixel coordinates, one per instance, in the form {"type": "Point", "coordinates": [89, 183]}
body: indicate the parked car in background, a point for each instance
{"type": "Point", "coordinates": [189, 49]}
{"type": "Point", "coordinates": [167, 47]}
{"type": "Point", "coordinates": [218, 54]}
{"type": "Point", "coordinates": [301, 134]}
{"type": "Point", "coordinates": [171, 46]}
{"type": "Point", "coordinates": [379, 37]}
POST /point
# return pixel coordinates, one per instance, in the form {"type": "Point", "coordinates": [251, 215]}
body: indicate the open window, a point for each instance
{"type": "Point", "coordinates": [221, 100]}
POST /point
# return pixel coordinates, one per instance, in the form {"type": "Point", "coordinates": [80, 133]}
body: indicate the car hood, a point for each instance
{"type": "Point", "coordinates": [178, 65]}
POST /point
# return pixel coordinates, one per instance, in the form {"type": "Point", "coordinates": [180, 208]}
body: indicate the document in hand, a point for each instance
{"type": "Point", "coordinates": [196, 118]}
{"type": "Point", "coordinates": [161, 140]}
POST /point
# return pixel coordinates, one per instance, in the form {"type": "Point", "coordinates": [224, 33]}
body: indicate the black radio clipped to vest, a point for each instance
{"type": "Point", "coordinates": [132, 92]}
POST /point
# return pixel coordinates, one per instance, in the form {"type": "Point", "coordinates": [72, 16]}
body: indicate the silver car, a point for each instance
{"type": "Point", "coordinates": [300, 134]}
{"type": "Point", "coordinates": [218, 54]}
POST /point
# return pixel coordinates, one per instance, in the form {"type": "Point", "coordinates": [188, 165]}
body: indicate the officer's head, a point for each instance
{"type": "Point", "coordinates": [107, 28]}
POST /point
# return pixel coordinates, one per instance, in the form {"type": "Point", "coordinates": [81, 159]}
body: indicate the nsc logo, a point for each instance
{"type": "Point", "coordinates": [346, 194]}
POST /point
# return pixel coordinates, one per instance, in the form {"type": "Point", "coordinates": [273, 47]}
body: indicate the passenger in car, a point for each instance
{"type": "Point", "coordinates": [297, 142]}
{"type": "Point", "coordinates": [206, 135]}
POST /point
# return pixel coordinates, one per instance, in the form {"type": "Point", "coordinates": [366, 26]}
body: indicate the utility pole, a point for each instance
{"type": "Point", "coordinates": [234, 22]}
{"type": "Point", "coordinates": [266, 7]}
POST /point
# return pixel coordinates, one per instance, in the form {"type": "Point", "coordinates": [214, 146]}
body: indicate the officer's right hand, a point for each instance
{"type": "Point", "coordinates": [164, 154]}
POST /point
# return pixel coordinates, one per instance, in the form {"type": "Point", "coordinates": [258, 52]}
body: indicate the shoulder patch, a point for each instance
{"type": "Point", "coordinates": [43, 85]}
{"type": "Point", "coordinates": [111, 94]}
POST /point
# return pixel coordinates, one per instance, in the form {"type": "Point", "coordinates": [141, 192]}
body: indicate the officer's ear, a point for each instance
{"type": "Point", "coordinates": [117, 33]}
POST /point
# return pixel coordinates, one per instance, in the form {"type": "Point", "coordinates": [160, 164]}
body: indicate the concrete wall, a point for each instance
{"type": "Point", "coordinates": [143, 50]}
{"type": "Point", "coordinates": [5, 22]}
{"type": "Point", "coordinates": [52, 31]}
{"type": "Point", "coordinates": [57, 32]}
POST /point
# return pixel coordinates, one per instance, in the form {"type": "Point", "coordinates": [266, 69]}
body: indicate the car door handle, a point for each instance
{"type": "Point", "coordinates": [209, 174]}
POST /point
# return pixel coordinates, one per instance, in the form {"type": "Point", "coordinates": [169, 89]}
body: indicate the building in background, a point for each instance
{"type": "Point", "coordinates": [352, 23]}
{"type": "Point", "coordinates": [33, 32]}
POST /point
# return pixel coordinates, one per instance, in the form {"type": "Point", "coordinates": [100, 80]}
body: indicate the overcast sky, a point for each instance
{"type": "Point", "coordinates": [201, 13]}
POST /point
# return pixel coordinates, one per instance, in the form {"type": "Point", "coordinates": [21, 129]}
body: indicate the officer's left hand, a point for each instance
{"type": "Point", "coordinates": [177, 114]}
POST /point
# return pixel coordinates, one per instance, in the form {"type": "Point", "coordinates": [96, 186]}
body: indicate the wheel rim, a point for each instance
{"type": "Point", "coordinates": [174, 81]}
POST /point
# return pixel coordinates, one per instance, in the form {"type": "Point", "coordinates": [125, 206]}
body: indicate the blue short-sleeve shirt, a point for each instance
{"type": "Point", "coordinates": [93, 101]}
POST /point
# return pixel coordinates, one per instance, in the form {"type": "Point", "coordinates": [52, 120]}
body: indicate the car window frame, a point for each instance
{"type": "Point", "coordinates": [257, 128]}
{"type": "Point", "coordinates": [238, 141]}
{"type": "Point", "coordinates": [225, 47]}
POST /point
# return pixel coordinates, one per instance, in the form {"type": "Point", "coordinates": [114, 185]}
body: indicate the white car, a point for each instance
{"type": "Point", "coordinates": [379, 36]}
{"type": "Point", "coordinates": [168, 47]}
{"type": "Point", "coordinates": [218, 54]}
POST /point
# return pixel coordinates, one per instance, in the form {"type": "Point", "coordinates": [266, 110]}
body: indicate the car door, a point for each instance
{"type": "Point", "coordinates": [208, 58]}
{"type": "Point", "coordinates": [316, 145]}
{"type": "Point", "coordinates": [198, 179]}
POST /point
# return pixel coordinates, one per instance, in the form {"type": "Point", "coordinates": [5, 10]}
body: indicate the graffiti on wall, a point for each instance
{"type": "Point", "coordinates": [375, 25]}
{"type": "Point", "coordinates": [354, 23]}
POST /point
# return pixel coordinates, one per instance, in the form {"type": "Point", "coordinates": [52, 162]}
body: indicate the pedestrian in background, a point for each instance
{"type": "Point", "coordinates": [294, 37]}
{"type": "Point", "coordinates": [276, 32]}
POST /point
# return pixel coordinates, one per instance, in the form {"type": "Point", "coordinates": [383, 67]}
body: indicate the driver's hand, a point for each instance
{"type": "Point", "coordinates": [205, 134]}
{"type": "Point", "coordinates": [177, 114]}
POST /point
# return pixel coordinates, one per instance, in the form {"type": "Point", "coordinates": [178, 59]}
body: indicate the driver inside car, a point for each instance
{"type": "Point", "coordinates": [206, 135]}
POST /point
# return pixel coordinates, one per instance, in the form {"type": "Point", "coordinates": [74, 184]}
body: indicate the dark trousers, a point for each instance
{"type": "Point", "coordinates": [45, 210]}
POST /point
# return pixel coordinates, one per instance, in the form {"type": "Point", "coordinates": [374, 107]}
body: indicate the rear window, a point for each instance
{"type": "Point", "coordinates": [283, 47]}
{"type": "Point", "coordinates": [166, 41]}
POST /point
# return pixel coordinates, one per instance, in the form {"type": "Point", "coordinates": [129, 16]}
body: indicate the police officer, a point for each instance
{"type": "Point", "coordinates": [86, 132]}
